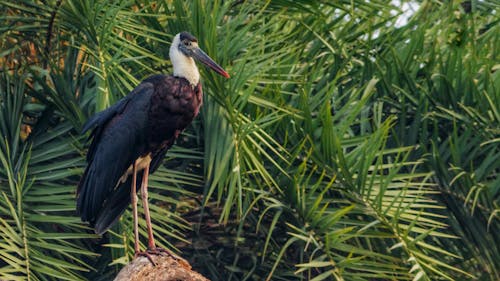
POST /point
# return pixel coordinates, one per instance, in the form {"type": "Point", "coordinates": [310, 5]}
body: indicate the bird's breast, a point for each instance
{"type": "Point", "coordinates": [174, 106]}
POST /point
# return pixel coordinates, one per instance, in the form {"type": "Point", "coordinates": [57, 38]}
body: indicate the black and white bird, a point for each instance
{"type": "Point", "coordinates": [130, 138]}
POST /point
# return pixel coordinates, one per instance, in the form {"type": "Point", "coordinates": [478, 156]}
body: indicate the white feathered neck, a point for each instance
{"type": "Point", "coordinates": [184, 66]}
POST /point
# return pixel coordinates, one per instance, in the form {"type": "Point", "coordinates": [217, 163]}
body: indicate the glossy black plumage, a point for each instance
{"type": "Point", "coordinates": [145, 122]}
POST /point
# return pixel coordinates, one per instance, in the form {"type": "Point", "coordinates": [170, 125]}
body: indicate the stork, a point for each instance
{"type": "Point", "coordinates": [130, 139]}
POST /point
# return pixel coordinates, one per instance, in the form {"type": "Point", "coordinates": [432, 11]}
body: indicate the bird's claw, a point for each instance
{"type": "Point", "coordinates": [161, 251]}
{"type": "Point", "coordinates": [146, 254]}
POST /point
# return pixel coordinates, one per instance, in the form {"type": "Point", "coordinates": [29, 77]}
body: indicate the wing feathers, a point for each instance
{"type": "Point", "coordinates": [118, 139]}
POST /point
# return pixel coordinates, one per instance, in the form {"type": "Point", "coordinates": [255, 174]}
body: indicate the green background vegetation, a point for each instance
{"type": "Point", "coordinates": [344, 146]}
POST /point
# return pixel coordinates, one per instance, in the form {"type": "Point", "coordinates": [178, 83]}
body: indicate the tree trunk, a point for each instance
{"type": "Point", "coordinates": [167, 268]}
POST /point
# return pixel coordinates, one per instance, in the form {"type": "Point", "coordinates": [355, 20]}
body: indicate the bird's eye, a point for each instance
{"type": "Point", "coordinates": [187, 43]}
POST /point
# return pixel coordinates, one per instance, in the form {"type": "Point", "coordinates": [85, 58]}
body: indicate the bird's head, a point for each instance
{"type": "Point", "coordinates": [183, 50]}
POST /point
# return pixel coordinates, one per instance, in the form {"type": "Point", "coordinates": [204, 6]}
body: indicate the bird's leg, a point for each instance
{"type": "Point", "coordinates": [145, 205]}
{"type": "Point", "coordinates": [151, 242]}
{"type": "Point", "coordinates": [134, 208]}
{"type": "Point", "coordinates": [144, 196]}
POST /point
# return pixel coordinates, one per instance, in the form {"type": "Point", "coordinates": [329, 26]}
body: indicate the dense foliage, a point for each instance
{"type": "Point", "coordinates": [346, 145]}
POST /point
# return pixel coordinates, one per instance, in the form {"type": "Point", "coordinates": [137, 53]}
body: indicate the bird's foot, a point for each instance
{"type": "Point", "coordinates": [146, 254]}
{"type": "Point", "coordinates": [161, 251]}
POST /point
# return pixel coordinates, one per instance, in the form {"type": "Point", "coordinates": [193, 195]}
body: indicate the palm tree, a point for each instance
{"type": "Point", "coordinates": [344, 146]}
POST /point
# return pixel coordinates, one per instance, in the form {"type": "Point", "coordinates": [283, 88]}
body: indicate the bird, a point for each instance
{"type": "Point", "coordinates": [130, 139]}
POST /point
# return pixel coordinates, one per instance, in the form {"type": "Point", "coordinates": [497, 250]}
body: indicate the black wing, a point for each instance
{"type": "Point", "coordinates": [99, 122]}
{"type": "Point", "coordinates": [118, 140]}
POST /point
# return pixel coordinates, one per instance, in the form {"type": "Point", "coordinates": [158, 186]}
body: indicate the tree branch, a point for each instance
{"type": "Point", "coordinates": [167, 268]}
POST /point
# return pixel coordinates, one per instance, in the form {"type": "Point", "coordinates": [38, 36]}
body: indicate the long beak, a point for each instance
{"type": "Point", "coordinates": [206, 60]}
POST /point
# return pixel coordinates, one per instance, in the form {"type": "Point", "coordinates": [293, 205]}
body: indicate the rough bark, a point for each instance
{"type": "Point", "coordinates": [167, 268]}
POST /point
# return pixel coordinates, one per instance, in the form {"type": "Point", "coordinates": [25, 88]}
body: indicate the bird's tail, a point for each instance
{"type": "Point", "coordinates": [83, 208]}
{"type": "Point", "coordinates": [115, 206]}
{"type": "Point", "coordinates": [102, 216]}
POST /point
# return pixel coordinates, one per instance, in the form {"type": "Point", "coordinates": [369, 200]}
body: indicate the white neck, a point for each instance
{"type": "Point", "coordinates": [184, 66]}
